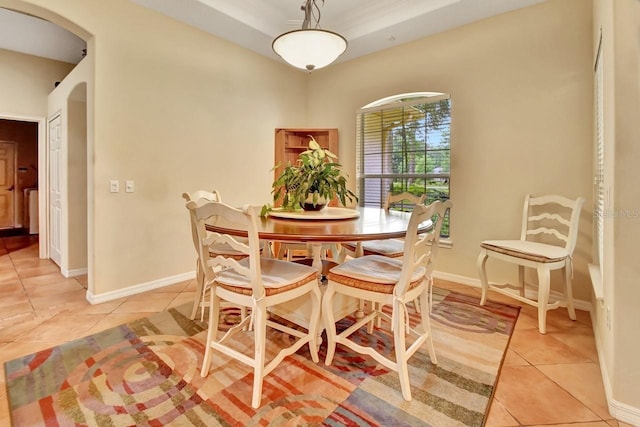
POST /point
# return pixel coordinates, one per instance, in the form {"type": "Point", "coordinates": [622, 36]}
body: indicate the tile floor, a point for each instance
{"type": "Point", "coordinates": [551, 379]}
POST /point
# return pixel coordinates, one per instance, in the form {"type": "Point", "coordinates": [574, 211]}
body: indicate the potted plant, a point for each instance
{"type": "Point", "coordinates": [312, 182]}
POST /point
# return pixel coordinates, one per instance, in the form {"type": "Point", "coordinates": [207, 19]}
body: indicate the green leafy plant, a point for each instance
{"type": "Point", "coordinates": [315, 179]}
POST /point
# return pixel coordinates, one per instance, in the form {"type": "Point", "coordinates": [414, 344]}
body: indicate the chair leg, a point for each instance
{"type": "Point", "coordinates": [214, 317]}
{"type": "Point", "coordinates": [543, 297]}
{"type": "Point", "coordinates": [416, 305]}
{"type": "Point", "coordinates": [521, 280]}
{"type": "Point", "coordinates": [329, 322]}
{"type": "Point", "coordinates": [426, 326]}
{"type": "Point", "coordinates": [314, 323]}
{"type": "Point", "coordinates": [568, 291]}
{"type": "Point", "coordinates": [400, 349]}
{"type": "Point", "coordinates": [197, 302]}
{"type": "Point", "coordinates": [260, 333]}
{"type": "Point", "coordinates": [482, 271]}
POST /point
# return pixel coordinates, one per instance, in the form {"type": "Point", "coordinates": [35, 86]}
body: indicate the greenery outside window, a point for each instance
{"type": "Point", "coordinates": [403, 144]}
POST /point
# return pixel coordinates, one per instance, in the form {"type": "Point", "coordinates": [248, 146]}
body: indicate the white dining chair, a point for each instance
{"type": "Point", "coordinates": [547, 240]}
{"type": "Point", "coordinates": [203, 196]}
{"type": "Point", "coordinates": [389, 281]}
{"type": "Point", "coordinates": [253, 282]}
{"type": "Point", "coordinates": [393, 248]}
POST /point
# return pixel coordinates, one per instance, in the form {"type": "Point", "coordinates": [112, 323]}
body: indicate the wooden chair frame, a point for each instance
{"type": "Point", "coordinates": [413, 280]}
{"type": "Point", "coordinates": [541, 257]}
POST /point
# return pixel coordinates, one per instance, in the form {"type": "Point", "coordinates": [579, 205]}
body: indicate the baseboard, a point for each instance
{"type": "Point", "coordinates": [73, 273]}
{"type": "Point", "coordinates": [475, 282]}
{"type": "Point", "coordinates": [137, 289]}
{"type": "Point", "coordinates": [620, 411]}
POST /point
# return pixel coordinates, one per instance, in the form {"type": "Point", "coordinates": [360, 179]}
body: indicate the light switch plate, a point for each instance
{"type": "Point", "coordinates": [114, 186]}
{"type": "Point", "coordinates": [129, 186]}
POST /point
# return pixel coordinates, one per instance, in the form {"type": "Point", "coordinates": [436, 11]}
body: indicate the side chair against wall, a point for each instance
{"type": "Point", "coordinates": [203, 196]}
{"type": "Point", "coordinates": [390, 281]}
{"type": "Point", "coordinates": [547, 241]}
{"type": "Point", "coordinates": [254, 282]}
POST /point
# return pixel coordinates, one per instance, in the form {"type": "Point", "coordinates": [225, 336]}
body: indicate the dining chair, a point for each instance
{"type": "Point", "coordinates": [547, 240]}
{"type": "Point", "coordinates": [203, 196]}
{"type": "Point", "coordinates": [225, 250]}
{"type": "Point", "coordinates": [254, 282]}
{"type": "Point", "coordinates": [393, 248]}
{"type": "Point", "coordinates": [390, 281]}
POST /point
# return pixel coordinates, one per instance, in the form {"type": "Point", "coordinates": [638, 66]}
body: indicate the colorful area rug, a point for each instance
{"type": "Point", "coordinates": [146, 373]}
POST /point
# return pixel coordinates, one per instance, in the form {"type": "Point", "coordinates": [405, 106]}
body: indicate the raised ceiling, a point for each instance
{"type": "Point", "coordinates": [368, 25]}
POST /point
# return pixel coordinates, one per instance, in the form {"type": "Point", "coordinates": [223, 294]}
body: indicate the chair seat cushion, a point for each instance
{"type": "Point", "coordinates": [277, 276]}
{"type": "Point", "coordinates": [533, 251]}
{"type": "Point", "coordinates": [373, 272]}
{"type": "Point", "coordinates": [392, 248]}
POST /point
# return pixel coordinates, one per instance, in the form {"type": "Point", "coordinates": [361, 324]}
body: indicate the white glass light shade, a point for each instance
{"type": "Point", "coordinates": [309, 49]}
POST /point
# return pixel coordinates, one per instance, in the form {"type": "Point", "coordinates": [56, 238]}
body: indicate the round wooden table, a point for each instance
{"type": "Point", "coordinates": [316, 230]}
{"type": "Point", "coordinates": [327, 226]}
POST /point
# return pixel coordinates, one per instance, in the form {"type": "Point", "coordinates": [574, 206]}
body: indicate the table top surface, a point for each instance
{"type": "Point", "coordinates": [371, 224]}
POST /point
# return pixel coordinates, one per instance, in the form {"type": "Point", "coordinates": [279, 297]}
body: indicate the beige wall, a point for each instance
{"type": "Point", "coordinates": [520, 86]}
{"type": "Point", "coordinates": [26, 81]}
{"type": "Point", "coordinates": [627, 197]}
{"type": "Point", "coordinates": [175, 110]}
{"type": "Point", "coordinates": [77, 181]}
{"type": "Point", "coordinates": [618, 345]}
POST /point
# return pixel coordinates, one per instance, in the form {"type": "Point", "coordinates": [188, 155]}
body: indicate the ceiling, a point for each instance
{"type": "Point", "coordinates": [368, 25]}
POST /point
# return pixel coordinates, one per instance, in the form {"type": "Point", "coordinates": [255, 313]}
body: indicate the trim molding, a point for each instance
{"type": "Point", "coordinates": [618, 410]}
{"type": "Point", "coordinates": [475, 282]}
{"type": "Point", "coordinates": [137, 289]}
{"type": "Point", "coordinates": [74, 273]}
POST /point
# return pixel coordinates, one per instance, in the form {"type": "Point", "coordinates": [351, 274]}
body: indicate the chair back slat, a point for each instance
{"type": "Point", "coordinates": [550, 232]}
{"type": "Point", "coordinates": [211, 211]}
{"type": "Point", "coordinates": [404, 201]}
{"type": "Point", "coordinates": [554, 216]}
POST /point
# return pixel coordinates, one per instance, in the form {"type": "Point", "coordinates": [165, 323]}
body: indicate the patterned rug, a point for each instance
{"type": "Point", "coordinates": [146, 373]}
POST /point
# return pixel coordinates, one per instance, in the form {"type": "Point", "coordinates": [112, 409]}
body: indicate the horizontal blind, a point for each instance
{"type": "Point", "coordinates": [404, 146]}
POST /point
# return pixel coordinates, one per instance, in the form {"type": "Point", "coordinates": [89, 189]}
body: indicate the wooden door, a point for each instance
{"type": "Point", "coordinates": [55, 190]}
{"type": "Point", "coordinates": [7, 184]}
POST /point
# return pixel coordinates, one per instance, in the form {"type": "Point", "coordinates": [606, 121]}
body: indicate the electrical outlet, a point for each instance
{"type": "Point", "coordinates": [129, 186]}
{"type": "Point", "coordinates": [114, 185]}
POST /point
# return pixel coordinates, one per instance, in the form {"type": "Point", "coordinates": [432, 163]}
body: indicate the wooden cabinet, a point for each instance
{"type": "Point", "coordinates": [291, 142]}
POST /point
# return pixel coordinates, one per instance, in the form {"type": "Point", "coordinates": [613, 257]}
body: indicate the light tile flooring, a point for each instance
{"type": "Point", "coordinates": [551, 379]}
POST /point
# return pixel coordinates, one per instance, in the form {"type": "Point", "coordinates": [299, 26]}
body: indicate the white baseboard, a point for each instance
{"type": "Point", "coordinates": [137, 289]}
{"type": "Point", "coordinates": [618, 410]}
{"type": "Point", "coordinates": [475, 282]}
{"type": "Point", "coordinates": [73, 273]}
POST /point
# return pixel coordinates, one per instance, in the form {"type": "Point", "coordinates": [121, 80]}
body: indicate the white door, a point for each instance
{"type": "Point", "coordinates": [55, 190]}
{"type": "Point", "coordinates": [7, 184]}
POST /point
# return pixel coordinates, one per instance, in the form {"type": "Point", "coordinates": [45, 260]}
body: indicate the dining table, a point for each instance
{"type": "Point", "coordinates": [329, 226]}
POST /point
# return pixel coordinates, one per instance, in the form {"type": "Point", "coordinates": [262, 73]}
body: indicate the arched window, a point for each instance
{"type": "Point", "coordinates": [403, 144]}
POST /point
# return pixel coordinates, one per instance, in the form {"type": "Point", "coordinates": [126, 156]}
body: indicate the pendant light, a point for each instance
{"type": "Point", "coordinates": [310, 48]}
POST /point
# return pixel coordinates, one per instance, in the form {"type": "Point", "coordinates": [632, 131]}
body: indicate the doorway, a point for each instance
{"type": "Point", "coordinates": [18, 175]}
